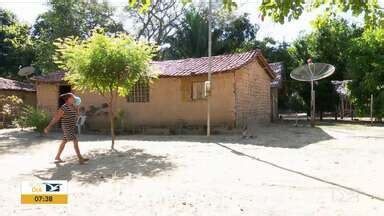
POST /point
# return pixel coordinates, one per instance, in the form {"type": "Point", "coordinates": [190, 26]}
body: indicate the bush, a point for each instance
{"type": "Point", "coordinates": [10, 108]}
{"type": "Point", "coordinates": [35, 118]}
{"type": "Point", "coordinates": [296, 103]}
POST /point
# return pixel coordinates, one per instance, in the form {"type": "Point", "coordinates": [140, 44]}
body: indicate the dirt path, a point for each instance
{"type": "Point", "coordinates": [329, 170]}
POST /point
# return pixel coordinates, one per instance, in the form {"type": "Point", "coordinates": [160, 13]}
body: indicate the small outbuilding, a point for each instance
{"type": "Point", "coordinates": [241, 91]}
{"type": "Point", "coordinates": [25, 91]}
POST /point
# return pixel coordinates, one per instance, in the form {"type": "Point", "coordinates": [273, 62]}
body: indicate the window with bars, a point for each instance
{"type": "Point", "coordinates": [139, 93]}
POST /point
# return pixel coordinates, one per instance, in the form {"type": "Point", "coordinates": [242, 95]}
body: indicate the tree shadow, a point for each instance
{"type": "Point", "coordinates": [16, 141]}
{"type": "Point", "coordinates": [105, 165]}
{"type": "Point", "coordinates": [268, 135]}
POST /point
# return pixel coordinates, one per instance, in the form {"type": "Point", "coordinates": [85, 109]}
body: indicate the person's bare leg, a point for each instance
{"type": "Point", "coordinates": [77, 150]}
{"type": "Point", "coordinates": [61, 148]}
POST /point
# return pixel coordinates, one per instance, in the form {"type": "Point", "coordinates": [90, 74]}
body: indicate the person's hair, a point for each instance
{"type": "Point", "coordinates": [66, 96]}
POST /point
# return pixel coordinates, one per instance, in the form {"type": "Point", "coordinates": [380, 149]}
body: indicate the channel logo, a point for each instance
{"type": "Point", "coordinates": [44, 192]}
{"type": "Point", "coordinates": [52, 187]}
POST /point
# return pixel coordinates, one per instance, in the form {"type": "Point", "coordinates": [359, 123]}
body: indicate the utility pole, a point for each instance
{"type": "Point", "coordinates": [209, 67]}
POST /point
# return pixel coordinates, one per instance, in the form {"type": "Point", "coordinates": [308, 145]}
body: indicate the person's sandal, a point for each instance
{"type": "Point", "coordinates": [58, 161]}
{"type": "Point", "coordinates": [83, 160]}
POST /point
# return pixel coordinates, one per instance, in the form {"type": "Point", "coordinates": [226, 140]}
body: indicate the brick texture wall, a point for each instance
{"type": "Point", "coordinates": [47, 96]}
{"type": "Point", "coordinates": [252, 95]}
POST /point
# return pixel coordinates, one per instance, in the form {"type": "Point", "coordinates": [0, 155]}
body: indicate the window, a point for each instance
{"type": "Point", "coordinates": [198, 91]}
{"type": "Point", "coordinates": [139, 93]}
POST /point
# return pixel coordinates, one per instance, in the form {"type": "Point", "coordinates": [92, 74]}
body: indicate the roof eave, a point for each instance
{"type": "Point", "coordinates": [264, 64]}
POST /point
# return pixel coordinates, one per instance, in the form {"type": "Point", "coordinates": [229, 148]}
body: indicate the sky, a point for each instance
{"type": "Point", "coordinates": [28, 10]}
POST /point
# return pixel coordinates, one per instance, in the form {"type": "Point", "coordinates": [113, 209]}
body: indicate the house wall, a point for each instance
{"type": "Point", "coordinates": [170, 103]}
{"type": "Point", "coordinates": [47, 96]}
{"type": "Point", "coordinates": [253, 96]}
{"type": "Point", "coordinates": [29, 98]}
{"type": "Point", "coordinates": [237, 97]}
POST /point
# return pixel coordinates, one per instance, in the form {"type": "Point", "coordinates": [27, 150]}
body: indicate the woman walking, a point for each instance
{"type": "Point", "coordinates": [68, 114]}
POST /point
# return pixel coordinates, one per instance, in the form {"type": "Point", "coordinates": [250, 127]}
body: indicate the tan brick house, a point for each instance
{"type": "Point", "coordinates": [241, 90]}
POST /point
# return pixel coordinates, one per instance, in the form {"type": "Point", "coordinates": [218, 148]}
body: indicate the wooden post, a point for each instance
{"type": "Point", "coordinates": [371, 109]}
{"type": "Point", "coordinates": [312, 106]}
{"type": "Point", "coordinates": [342, 107]}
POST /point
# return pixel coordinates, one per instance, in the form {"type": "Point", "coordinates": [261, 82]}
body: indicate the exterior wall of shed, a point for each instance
{"type": "Point", "coordinates": [253, 96]}
{"type": "Point", "coordinates": [47, 96]}
{"type": "Point", "coordinates": [170, 103]}
{"type": "Point", "coordinates": [29, 98]}
{"type": "Point", "coordinates": [274, 104]}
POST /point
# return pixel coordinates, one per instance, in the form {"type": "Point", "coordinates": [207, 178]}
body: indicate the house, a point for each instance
{"type": "Point", "coordinates": [276, 87]}
{"type": "Point", "coordinates": [25, 91]}
{"type": "Point", "coordinates": [241, 91]}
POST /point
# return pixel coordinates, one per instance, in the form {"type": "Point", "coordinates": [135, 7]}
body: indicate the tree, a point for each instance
{"type": "Point", "coordinates": [366, 67]}
{"type": "Point", "coordinates": [328, 43]}
{"type": "Point", "coordinates": [191, 38]}
{"type": "Point", "coordinates": [69, 18]}
{"type": "Point", "coordinates": [108, 65]}
{"type": "Point", "coordinates": [280, 10]}
{"type": "Point", "coordinates": [158, 21]}
{"type": "Point", "coordinates": [15, 45]}
{"type": "Point", "coordinates": [293, 9]}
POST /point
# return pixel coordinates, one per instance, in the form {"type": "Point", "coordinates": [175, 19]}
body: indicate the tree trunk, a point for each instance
{"type": "Point", "coordinates": [112, 120]}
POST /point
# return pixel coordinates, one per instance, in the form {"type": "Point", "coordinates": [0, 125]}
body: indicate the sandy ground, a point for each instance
{"type": "Point", "coordinates": [285, 170]}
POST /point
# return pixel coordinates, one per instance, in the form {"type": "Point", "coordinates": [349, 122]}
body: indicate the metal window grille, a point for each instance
{"type": "Point", "coordinates": [139, 93]}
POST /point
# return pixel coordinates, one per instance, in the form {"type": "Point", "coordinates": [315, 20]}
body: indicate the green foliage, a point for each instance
{"type": "Point", "coordinates": [366, 67]}
{"type": "Point", "coordinates": [191, 38]}
{"type": "Point", "coordinates": [104, 63]}
{"type": "Point", "coordinates": [15, 45]}
{"type": "Point", "coordinates": [296, 103]}
{"type": "Point", "coordinates": [35, 118]}
{"type": "Point", "coordinates": [281, 10]}
{"type": "Point", "coordinates": [328, 43]}
{"type": "Point", "coordinates": [10, 107]}
{"type": "Point", "coordinates": [68, 18]}
{"type": "Point", "coordinates": [108, 65]}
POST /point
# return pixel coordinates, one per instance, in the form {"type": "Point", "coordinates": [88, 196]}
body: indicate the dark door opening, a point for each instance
{"type": "Point", "coordinates": [62, 90]}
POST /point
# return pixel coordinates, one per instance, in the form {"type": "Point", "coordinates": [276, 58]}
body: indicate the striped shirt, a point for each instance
{"type": "Point", "coordinates": [68, 121]}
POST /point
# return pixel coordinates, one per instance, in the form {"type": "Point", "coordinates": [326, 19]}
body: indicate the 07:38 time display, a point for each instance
{"type": "Point", "coordinates": [43, 199]}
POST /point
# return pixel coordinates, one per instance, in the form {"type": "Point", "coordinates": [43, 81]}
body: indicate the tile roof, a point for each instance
{"type": "Point", "coordinates": [8, 84]}
{"type": "Point", "coordinates": [57, 76]}
{"type": "Point", "coordinates": [196, 66]}
{"type": "Point", "coordinates": [278, 69]}
{"type": "Point", "coordinates": [191, 66]}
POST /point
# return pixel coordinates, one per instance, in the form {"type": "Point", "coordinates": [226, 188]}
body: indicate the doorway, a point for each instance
{"type": "Point", "coordinates": [62, 90]}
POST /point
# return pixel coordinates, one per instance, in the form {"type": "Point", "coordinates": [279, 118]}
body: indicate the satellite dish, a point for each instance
{"type": "Point", "coordinates": [26, 71]}
{"type": "Point", "coordinates": [310, 73]}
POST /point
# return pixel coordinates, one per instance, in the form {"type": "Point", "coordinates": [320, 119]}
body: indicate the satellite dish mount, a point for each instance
{"type": "Point", "coordinates": [310, 73]}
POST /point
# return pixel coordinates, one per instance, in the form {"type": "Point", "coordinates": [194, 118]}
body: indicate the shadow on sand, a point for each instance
{"type": "Point", "coordinates": [269, 135]}
{"type": "Point", "coordinates": [286, 169]}
{"type": "Point", "coordinates": [17, 141]}
{"type": "Point", "coordinates": [108, 165]}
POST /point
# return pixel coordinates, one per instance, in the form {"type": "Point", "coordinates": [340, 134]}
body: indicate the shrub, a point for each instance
{"type": "Point", "coordinates": [10, 107]}
{"type": "Point", "coordinates": [35, 118]}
